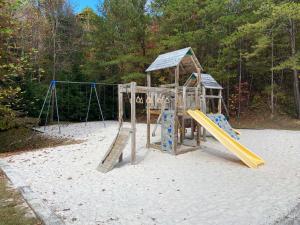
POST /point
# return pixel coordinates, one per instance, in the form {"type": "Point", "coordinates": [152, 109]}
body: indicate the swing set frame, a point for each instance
{"type": "Point", "coordinates": [52, 94]}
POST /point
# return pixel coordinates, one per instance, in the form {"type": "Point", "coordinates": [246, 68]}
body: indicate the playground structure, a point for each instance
{"type": "Point", "coordinates": [181, 107]}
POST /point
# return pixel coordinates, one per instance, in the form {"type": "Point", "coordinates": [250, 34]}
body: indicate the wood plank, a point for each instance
{"type": "Point", "coordinates": [148, 111]}
{"type": "Point", "coordinates": [220, 102]}
{"type": "Point", "coordinates": [115, 150]}
{"type": "Point", "coordinates": [133, 123]}
{"type": "Point", "coordinates": [120, 116]}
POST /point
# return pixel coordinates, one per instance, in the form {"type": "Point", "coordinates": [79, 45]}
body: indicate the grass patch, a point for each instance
{"type": "Point", "coordinates": [13, 209]}
{"type": "Point", "coordinates": [24, 139]}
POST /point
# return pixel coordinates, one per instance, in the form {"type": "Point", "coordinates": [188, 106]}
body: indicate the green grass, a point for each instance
{"type": "Point", "coordinates": [13, 211]}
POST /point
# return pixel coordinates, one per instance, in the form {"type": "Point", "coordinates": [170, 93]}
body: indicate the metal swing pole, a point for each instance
{"type": "Point", "coordinates": [51, 93]}
{"type": "Point", "coordinates": [45, 99]}
{"type": "Point", "coordinates": [88, 109]}
{"type": "Point", "coordinates": [56, 104]}
{"type": "Point", "coordinates": [94, 86]}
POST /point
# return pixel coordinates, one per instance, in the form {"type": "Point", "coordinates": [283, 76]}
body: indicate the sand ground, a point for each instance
{"type": "Point", "coordinates": [207, 186]}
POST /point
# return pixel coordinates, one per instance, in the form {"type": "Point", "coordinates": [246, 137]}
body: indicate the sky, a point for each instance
{"type": "Point", "coordinates": [79, 5]}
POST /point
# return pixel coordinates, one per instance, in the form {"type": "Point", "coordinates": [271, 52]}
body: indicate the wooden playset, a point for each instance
{"type": "Point", "coordinates": [182, 108]}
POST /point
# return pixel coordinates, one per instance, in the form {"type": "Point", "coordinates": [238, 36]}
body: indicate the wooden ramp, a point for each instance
{"type": "Point", "coordinates": [115, 150]}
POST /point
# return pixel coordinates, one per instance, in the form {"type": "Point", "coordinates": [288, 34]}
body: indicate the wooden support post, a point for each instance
{"type": "Point", "coordinates": [204, 109]}
{"type": "Point", "coordinates": [120, 104]}
{"type": "Point", "coordinates": [133, 122]}
{"type": "Point", "coordinates": [120, 108]}
{"type": "Point", "coordinates": [197, 106]}
{"type": "Point", "coordinates": [148, 110]}
{"type": "Point", "coordinates": [198, 103]}
{"type": "Point", "coordinates": [220, 102]}
{"type": "Point", "coordinates": [175, 140]}
{"type": "Point", "coordinates": [182, 135]}
{"type": "Point", "coordinates": [192, 128]}
{"type": "Point", "coordinates": [212, 101]}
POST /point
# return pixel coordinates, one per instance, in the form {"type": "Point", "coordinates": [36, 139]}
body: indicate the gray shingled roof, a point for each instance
{"type": "Point", "coordinates": [172, 59]}
{"type": "Point", "coordinates": [209, 82]}
{"type": "Point", "coordinates": [206, 80]}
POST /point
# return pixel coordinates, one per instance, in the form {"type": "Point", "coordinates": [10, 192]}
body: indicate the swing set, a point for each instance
{"type": "Point", "coordinates": [52, 99]}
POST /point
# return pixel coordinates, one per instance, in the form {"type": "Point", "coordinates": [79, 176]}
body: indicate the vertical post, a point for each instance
{"type": "Point", "coordinates": [204, 108]}
{"type": "Point", "coordinates": [133, 120]}
{"type": "Point", "coordinates": [182, 136]}
{"type": "Point", "coordinates": [175, 139]}
{"type": "Point", "coordinates": [89, 105]}
{"type": "Point", "coordinates": [220, 102]}
{"type": "Point", "coordinates": [120, 105]}
{"type": "Point", "coordinates": [192, 128]}
{"type": "Point", "coordinates": [212, 101]}
{"type": "Point", "coordinates": [197, 106]}
{"type": "Point", "coordinates": [120, 115]}
{"type": "Point", "coordinates": [49, 88]}
{"type": "Point", "coordinates": [198, 103]}
{"type": "Point", "coordinates": [49, 103]}
{"type": "Point", "coordinates": [148, 110]}
{"type": "Point", "coordinates": [56, 105]}
{"type": "Point", "coordinates": [100, 109]}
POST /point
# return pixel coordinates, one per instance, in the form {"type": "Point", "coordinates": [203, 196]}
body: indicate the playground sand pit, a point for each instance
{"type": "Point", "coordinates": [207, 186]}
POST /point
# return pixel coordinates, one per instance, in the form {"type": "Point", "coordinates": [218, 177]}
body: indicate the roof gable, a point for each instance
{"type": "Point", "coordinates": [172, 59]}
{"type": "Point", "coordinates": [206, 80]}
{"type": "Point", "coordinates": [209, 82]}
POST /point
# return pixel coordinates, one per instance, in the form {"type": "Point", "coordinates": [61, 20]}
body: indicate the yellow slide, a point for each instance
{"type": "Point", "coordinates": [249, 158]}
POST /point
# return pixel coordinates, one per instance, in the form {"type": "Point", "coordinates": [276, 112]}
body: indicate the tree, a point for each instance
{"type": "Point", "coordinates": [15, 63]}
{"type": "Point", "coordinates": [275, 20]}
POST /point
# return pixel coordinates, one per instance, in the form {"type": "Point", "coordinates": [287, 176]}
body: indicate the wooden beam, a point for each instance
{"type": "Point", "coordinates": [197, 96]}
{"type": "Point", "coordinates": [133, 123]}
{"type": "Point", "coordinates": [167, 85]}
{"type": "Point", "coordinates": [120, 116]}
{"type": "Point", "coordinates": [204, 108]}
{"type": "Point", "coordinates": [182, 134]}
{"type": "Point", "coordinates": [213, 96]}
{"type": "Point", "coordinates": [211, 100]}
{"type": "Point", "coordinates": [145, 90]}
{"type": "Point", "coordinates": [220, 102]}
{"type": "Point", "coordinates": [148, 110]}
{"type": "Point", "coordinates": [175, 139]}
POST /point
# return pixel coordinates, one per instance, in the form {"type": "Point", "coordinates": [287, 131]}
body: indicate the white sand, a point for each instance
{"type": "Point", "coordinates": [208, 186]}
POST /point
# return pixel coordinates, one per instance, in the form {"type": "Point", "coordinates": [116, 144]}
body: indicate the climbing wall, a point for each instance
{"type": "Point", "coordinates": [167, 130]}
{"type": "Point", "coordinates": [223, 123]}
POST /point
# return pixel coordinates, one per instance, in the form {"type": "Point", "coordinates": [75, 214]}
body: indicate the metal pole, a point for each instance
{"type": "Point", "coordinates": [44, 102]}
{"type": "Point", "coordinates": [55, 96]}
{"type": "Point", "coordinates": [51, 93]}
{"type": "Point", "coordinates": [88, 110]}
{"type": "Point", "coordinates": [94, 86]}
{"type": "Point", "coordinates": [78, 82]}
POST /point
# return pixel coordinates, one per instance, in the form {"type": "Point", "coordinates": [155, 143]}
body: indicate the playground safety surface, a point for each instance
{"type": "Point", "coordinates": [207, 186]}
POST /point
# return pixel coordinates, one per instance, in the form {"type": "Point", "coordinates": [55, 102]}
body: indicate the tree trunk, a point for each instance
{"type": "Point", "coordinates": [292, 32]}
{"type": "Point", "coordinates": [54, 32]}
{"type": "Point", "coordinates": [272, 78]}
{"type": "Point", "coordinates": [240, 82]}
